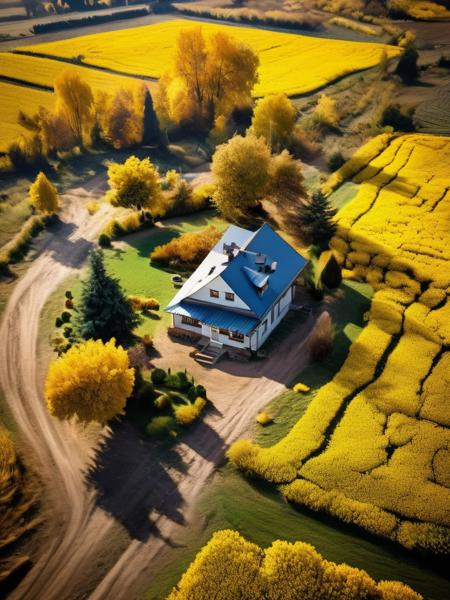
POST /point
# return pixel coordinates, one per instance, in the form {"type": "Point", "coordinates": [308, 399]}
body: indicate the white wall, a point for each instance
{"type": "Point", "coordinates": [220, 286]}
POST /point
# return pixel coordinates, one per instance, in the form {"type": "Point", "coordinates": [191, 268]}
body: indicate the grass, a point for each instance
{"type": "Point", "coordinates": [293, 64]}
{"type": "Point", "coordinates": [344, 194]}
{"type": "Point", "coordinates": [129, 262]}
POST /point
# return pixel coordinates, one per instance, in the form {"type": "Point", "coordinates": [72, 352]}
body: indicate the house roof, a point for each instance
{"type": "Point", "coordinates": [215, 316]}
{"type": "Point", "coordinates": [262, 266]}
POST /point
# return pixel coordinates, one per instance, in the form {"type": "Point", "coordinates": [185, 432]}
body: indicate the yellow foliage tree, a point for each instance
{"type": "Point", "coordinates": [120, 117]}
{"type": "Point", "coordinates": [231, 567]}
{"type": "Point", "coordinates": [92, 381]}
{"type": "Point", "coordinates": [274, 119]}
{"type": "Point", "coordinates": [43, 195]}
{"type": "Point", "coordinates": [287, 178]}
{"type": "Point", "coordinates": [241, 168]}
{"type": "Point", "coordinates": [75, 102]}
{"type": "Point", "coordinates": [211, 76]}
{"type": "Point", "coordinates": [326, 111]}
{"type": "Point", "coordinates": [135, 184]}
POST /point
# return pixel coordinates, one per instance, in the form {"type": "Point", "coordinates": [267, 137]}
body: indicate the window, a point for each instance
{"type": "Point", "coordinates": [214, 293]}
{"type": "Point", "coordinates": [236, 336]}
{"type": "Point", "coordinates": [190, 321]}
{"type": "Point", "coordinates": [229, 296]}
{"type": "Point", "coordinates": [264, 326]}
{"type": "Point", "coordinates": [223, 331]}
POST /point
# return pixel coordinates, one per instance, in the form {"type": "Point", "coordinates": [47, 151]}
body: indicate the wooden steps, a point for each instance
{"type": "Point", "coordinates": [209, 355]}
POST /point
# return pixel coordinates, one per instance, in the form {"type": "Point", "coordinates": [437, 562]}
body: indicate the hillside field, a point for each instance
{"type": "Point", "coordinates": [373, 447]}
{"type": "Point", "coordinates": [293, 64]}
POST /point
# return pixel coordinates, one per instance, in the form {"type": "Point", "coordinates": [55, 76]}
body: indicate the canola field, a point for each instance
{"type": "Point", "coordinates": [43, 72]}
{"type": "Point", "coordinates": [373, 447]}
{"type": "Point", "coordinates": [293, 64]}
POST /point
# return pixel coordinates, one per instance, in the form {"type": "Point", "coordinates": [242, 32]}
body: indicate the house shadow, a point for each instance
{"type": "Point", "coordinates": [135, 481]}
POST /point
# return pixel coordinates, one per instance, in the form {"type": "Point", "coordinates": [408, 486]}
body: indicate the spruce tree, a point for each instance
{"type": "Point", "coordinates": [104, 311]}
{"type": "Point", "coordinates": [315, 219]}
{"type": "Point", "coordinates": [151, 132]}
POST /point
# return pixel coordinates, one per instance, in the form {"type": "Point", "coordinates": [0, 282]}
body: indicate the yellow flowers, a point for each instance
{"type": "Point", "coordinates": [92, 381]}
{"type": "Point", "coordinates": [373, 446]}
{"type": "Point", "coordinates": [291, 64]}
{"type": "Point", "coordinates": [230, 567]}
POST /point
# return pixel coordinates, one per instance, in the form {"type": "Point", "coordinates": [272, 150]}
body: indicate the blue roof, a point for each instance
{"type": "Point", "coordinates": [217, 317]}
{"type": "Point", "coordinates": [264, 247]}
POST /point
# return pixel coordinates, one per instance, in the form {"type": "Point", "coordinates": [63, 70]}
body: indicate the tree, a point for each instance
{"type": "Point", "coordinates": [75, 101]}
{"type": "Point", "coordinates": [151, 131]}
{"type": "Point", "coordinates": [331, 274]}
{"type": "Point", "coordinates": [241, 168]}
{"type": "Point", "coordinates": [315, 219]}
{"type": "Point", "coordinates": [124, 120]}
{"type": "Point", "coordinates": [326, 112]}
{"type": "Point", "coordinates": [135, 184]}
{"type": "Point", "coordinates": [91, 381]}
{"type": "Point", "coordinates": [287, 178]}
{"type": "Point", "coordinates": [104, 311]}
{"type": "Point", "coordinates": [407, 67]}
{"type": "Point", "coordinates": [274, 119]}
{"type": "Point", "coordinates": [210, 77]}
{"type": "Point", "coordinates": [43, 195]}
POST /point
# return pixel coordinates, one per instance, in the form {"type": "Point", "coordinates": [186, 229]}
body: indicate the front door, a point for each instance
{"type": "Point", "coordinates": [215, 334]}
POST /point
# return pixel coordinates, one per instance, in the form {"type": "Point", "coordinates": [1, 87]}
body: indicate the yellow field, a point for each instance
{"type": "Point", "coordinates": [43, 71]}
{"type": "Point", "coordinates": [290, 63]}
{"type": "Point", "coordinates": [373, 448]}
{"type": "Point", "coordinates": [12, 99]}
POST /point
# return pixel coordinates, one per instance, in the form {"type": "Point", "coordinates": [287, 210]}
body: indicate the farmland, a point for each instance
{"type": "Point", "coordinates": [379, 429]}
{"type": "Point", "coordinates": [293, 64]}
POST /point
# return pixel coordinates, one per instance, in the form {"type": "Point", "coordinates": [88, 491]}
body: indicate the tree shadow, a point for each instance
{"type": "Point", "coordinates": [71, 253]}
{"type": "Point", "coordinates": [206, 442]}
{"type": "Point", "coordinates": [135, 481]}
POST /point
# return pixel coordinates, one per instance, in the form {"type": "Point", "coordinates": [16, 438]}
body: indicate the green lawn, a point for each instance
{"type": "Point", "coordinates": [129, 262]}
{"type": "Point", "coordinates": [344, 194]}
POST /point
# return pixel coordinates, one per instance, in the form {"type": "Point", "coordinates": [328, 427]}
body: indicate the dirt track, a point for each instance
{"type": "Point", "coordinates": [90, 489]}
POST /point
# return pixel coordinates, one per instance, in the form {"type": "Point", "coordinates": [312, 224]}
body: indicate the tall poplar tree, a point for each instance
{"type": "Point", "coordinates": [104, 311]}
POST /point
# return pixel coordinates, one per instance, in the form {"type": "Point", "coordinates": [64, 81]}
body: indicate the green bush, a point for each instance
{"type": "Point", "coordinates": [162, 401]}
{"type": "Point", "coordinates": [160, 426]}
{"type": "Point", "coordinates": [58, 322]}
{"type": "Point", "coordinates": [144, 392]}
{"type": "Point", "coordinates": [65, 316]}
{"type": "Point", "coordinates": [200, 391]}
{"type": "Point", "coordinates": [192, 392]}
{"type": "Point", "coordinates": [158, 375]}
{"type": "Point", "coordinates": [69, 295]}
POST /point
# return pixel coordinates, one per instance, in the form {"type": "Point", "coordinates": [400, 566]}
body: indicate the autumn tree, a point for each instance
{"type": "Point", "coordinates": [211, 76]}
{"type": "Point", "coordinates": [241, 168]}
{"type": "Point", "coordinates": [75, 102]}
{"type": "Point", "coordinates": [104, 310]}
{"type": "Point", "coordinates": [135, 184]}
{"type": "Point", "coordinates": [287, 182]}
{"type": "Point", "coordinates": [91, 381]}
{"type": "Point", "coordinates": [124, 120]}
{"type": "Point", "coordinates": [43, 195]}
{"type": "Point", "coordinates": [316, 220]}
{"type": "Point", "coordinates": [274, 119]}
{"type": "Point", "coordinates": [326, 112]}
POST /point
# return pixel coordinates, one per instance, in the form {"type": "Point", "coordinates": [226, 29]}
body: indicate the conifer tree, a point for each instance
{"type": "Point", "coordinates": [151, 131]}
{"type": "Point", "coordinates": [104, 311]}
{"type": "Point", "coordinates": [316, 220]}
{"type": "Point", "coordinates": [43, 195]}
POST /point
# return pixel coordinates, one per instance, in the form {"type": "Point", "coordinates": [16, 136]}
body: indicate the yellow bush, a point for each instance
{"type": "Point", "coordinates": [301, 388]}
{"type": "Point", "coordinates": [189, 249]}
{"type": "Point", "coordinates": [141, 303]}
{"type": "Point", "coordinates": [263, 418]}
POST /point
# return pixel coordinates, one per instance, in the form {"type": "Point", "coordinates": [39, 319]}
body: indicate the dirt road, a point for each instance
{"type": "Point", "coordinates": [117, 481]}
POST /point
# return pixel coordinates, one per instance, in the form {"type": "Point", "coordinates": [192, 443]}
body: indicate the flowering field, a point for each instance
{"type": "Point", "coordinates": [229, 566]}
{"type": "Point", "coordinates": [42, 72]}
{"type": "Point", "coordinates": [292, 64]}
{"type": "Point", "coordinates": [373, 447]}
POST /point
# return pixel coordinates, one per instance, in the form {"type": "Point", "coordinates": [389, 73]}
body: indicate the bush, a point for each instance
{"type": "Point", "coordinates": [147, 341]}
{"type": "Point", "coordinates": [335, 160]}
{"type": "Point", "coordinates": [68, 294]}
{"type": "Point", "coordinates": [142, 303]}
{"type": "Point", "coordinates": [66, 316]}
{"type": "Point", "coordinates": [69, 303]}
{"type": "Point", "coordinates": [321, 340]}
{"type": "Point", "coordinates": [177, 381]}
{"type": "Point", "coordinates": [263, 418]}
{"type": "Point", "coordinates": [104, 241]}
{"type": "Point", "coordinates": [159, 426]}
{"type": "Point", "coordinates": [200, 390]}
{"type": "Point", "coordinates": [191, 392]}
{"type": "Point", "coordinates": [407, 68]}
{"type": "Point", "coordinates": [395, 117]}
{"type": "Point", "coordinates": [58, 322]}
{"type": "Point", "coordinates": [301, 388]}
{"type": "Point", "coordinates": [162, 401]}
{"type": "Point", "coordinates": [158, 375]}
{"type": "Point", "coordinates": [144, 392]}
{"type": "Point", "coordinates": [190, 249]}
{"type": "Point", "coordinates": [186, 414]}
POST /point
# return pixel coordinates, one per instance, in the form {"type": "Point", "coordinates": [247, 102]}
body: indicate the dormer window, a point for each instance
{"type": "Point", "coordinates": [213, 293]}
{"type": "Point", "coordinates": [229, 296]}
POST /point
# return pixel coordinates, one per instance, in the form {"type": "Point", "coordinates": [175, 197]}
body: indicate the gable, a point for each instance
{"type": "Point", "coordinates": [222, 287]}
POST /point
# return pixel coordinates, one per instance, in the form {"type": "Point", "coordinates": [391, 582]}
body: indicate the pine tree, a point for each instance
{"type": "Point", "coordinates": [151, 133]}
{"type": "Point", "coordinates": [316, 220]}
{"type": "Point", "coordinates": [43, 195]}
{"type": "Point", "coordinates": [104, 311]}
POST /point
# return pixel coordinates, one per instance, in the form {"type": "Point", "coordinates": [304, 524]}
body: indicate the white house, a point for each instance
{"type": "Point", "coordinates": [241, 291]}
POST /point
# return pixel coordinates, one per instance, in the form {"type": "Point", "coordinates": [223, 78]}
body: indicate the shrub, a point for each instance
{"type": "Point", "coordinates": [190, 249]}
{"type": "Point", "coordinates": [200, 391]}
{"type": "Point", "coordinates": [162, 401]}
{"type": "Point", "coordinates": [191, 392]}
{"type": "Point", "coordinates": [186, 413]}
{"type": "Point", "coordinates": [321, 339]}
{"type": "Point", "coordinates": [301, 388]}
{"type": "Point", "coordinates": [68, 294]}
{"type": "Point", "coordinates": [66, 316]}
{"type": "Point", "coordinates": [407, 67]}
{"type": "Point", "coordinates": [158, 375]}
{"type": "Point", "coordinates": [104, 241]}
{"type": "Point", "coordinates": [394, 116]}
{"type": "Point", "coordinates": [142, 303]}
{"type": "Point", "coordinates": [147, 341]}
{"type": "Point", "coordinates": [326, 113]}
{"type": "Point", "coordinates": [263, 418]}
{"type": "Point", "coordinates": [159, 426]}
{"type": "Point", "coordinates": [335, 160]}
{"type": "Point", "coordinates": [177, 381]}
{"type": "Point", "coordinates": [68, 303]}
{"type": "Point", "coordinates": [144, 392]}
